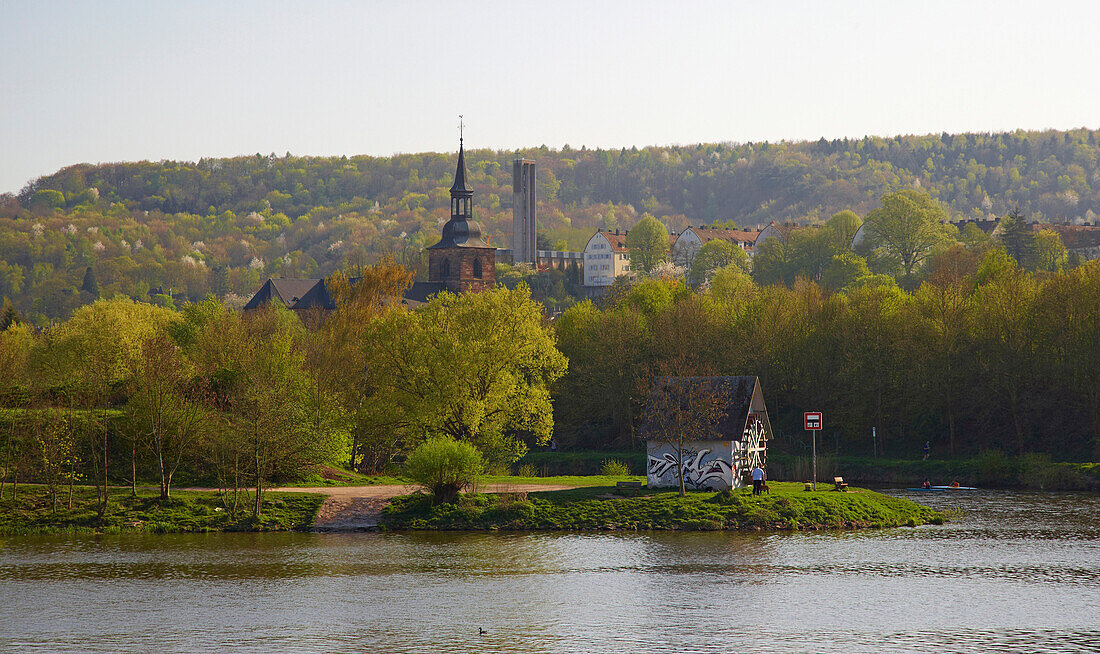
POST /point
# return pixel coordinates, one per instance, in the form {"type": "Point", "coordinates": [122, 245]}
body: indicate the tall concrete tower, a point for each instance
{"type": "Point", "coordinates": [523, 211]}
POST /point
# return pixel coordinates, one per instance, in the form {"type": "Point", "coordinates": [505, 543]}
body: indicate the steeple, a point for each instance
{"type": "Point", "coordinates": [461, 230]}
{"type": "Point", "coordinates": [461, 188]}
{"type": "Point", "coordinates": [461, 262]}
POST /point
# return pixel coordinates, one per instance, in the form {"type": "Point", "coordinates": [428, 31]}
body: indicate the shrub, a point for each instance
{"type": "Point", "coordinates": [444, 466]}
{"type": "Point", "coordinates": [527, 470]}
{"type": "Point", "coordinates": [614, 468]}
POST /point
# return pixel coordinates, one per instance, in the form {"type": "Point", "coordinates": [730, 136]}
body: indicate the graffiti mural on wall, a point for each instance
{"type": "Point", "coordinates": [699, 472]}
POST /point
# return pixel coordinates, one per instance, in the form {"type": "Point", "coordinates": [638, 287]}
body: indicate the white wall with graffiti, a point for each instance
{"type": "Point", "coordinates": [707, 466]}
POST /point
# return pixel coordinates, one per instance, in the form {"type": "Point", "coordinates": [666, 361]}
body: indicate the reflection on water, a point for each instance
{"type": "Point", "coordinates": [1017, 572]}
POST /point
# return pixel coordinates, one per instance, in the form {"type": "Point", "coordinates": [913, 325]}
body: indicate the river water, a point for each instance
{"type": "Point", "coordinates": [1014, 572]}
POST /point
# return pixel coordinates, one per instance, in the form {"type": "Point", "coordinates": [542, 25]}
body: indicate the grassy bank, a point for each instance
{"type": "Point", "coordinates": [787, 507]}
{"type": "Point", "coordinates": [990, 469]}
{"type": "Point", "coordinates": [31, 511]}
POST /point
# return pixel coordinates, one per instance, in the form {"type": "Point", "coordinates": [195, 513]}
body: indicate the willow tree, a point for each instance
{"type": "Point", "coordinates": [476, 367]}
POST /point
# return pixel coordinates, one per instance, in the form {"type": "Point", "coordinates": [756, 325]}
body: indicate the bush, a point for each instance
{"type": "Point", "coordinates": [444, 466]}
{"type": "Point", "coordinates": [614, 468]}
{"type": "Point", "coordinates": [527, 470]}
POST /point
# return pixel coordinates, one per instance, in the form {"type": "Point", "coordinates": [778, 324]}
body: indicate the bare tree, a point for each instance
{"type": "Point", "coordinates": [682, 410]}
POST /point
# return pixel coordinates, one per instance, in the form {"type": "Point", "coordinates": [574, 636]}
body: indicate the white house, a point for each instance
{"type": "Point", "coordinates": [605, 258]}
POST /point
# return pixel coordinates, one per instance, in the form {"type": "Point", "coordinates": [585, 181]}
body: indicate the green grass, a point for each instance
{"type": "Point", "coordinates": [32, 512]}
{"type": "Point", "coordinates": [560, 480]}
{"type": "Point", "coordinates": [989, 469]}
{"type": "Point", "coordinates": [788, 507]}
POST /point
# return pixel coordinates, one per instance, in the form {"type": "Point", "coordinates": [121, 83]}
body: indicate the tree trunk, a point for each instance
{"type": "Point", "coordinates": [133, 468]}
{"type": "Point", "coordinates": [259, 489]}
{"type": "Point", "coordinates": [680, 468]}
{"type": "Point", "coordinates": [72, 474]}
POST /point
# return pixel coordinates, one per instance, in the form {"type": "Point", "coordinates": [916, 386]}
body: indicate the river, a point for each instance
{"type": "Point", "coordinates": [1013, 572]}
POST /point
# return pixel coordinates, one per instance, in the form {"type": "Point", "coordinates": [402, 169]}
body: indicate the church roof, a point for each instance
{"type": "Point", "coordinates": [293, 293]}
{"type": "Point", "coordinates": [459, 233]}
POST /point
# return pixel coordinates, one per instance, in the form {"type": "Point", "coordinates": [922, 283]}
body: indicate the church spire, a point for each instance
{"type": "Point", "coordinates": [461, 188]}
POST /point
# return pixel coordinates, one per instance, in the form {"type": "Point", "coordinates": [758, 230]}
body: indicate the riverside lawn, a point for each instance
{"type": "Point", "coordinates": [31, 512]}
{"type": "Point", "coordinates": [787, 507]}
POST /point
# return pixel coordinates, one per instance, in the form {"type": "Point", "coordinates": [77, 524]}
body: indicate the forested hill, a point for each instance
{"type": "Point", "coordinates": [220, 224]}
{"type": "Point", "coordinates": [1052, 175]}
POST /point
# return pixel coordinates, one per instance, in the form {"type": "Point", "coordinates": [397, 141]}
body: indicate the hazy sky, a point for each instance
{"type": "Point", "coordinates": [112, 81]}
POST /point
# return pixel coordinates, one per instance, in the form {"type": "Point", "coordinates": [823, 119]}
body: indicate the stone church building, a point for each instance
{"type": "Point", "coordinates": [461, 262]}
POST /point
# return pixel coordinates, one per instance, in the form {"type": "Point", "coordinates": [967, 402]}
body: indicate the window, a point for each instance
{"type": "Point", "coordinates": [477, 268]}
{"type": "Point", "coordinates": [445, 268]}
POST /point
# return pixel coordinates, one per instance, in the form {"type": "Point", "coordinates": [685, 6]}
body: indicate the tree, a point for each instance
{"type": "Point", "coordinates": [340, 362]}
{"type": "Point", "coordinates": [89, 284]}
{"type": "Point", "coordinates": [648, 244]}
{"type": "Point", "coordinates": [1018, 239]}
{"type": "Point", "coordinates": [1050, 254]}
{"type": "Point", "coordinates": [842, 228]}
{"type": "Point", "coordinates": [846, 269]}
{"type": "Point", "coordinates": [166, 406]}
{"type": "Point", "coordinates": [476, 367]}
{"type": "Point", "coordinates": [94, 355]}
{"type": "Point", "coordinates": [444, 467]}
{"type": "Point", "coordinates": [259, 383]}
{"type": "Point", "coordinates": [683, 409]}
{"type": "Point", "coordinates": [55, 447]}
{"type": "Point", "coordinates": [714, 255]}
{"type": "Point", "coordinates": [907, 225]}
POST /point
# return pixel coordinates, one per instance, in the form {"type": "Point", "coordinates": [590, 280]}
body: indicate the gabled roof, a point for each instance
{"type": "Point", "coordinates": [707, 234]}
{"type": "Point", "coordinates": [617, 239]}
{"type": "Point", "coordinates": [737, 393]}
{"type": "Point", "coordinates": [421, 292]}
{"type": "Point", "coordinates": [293, 294]}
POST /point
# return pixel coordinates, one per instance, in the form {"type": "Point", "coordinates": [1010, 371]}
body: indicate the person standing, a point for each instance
{"type": "Point", "coordinates": [927, 449]}
{"type": "Point", "coordinates": [757, 480]}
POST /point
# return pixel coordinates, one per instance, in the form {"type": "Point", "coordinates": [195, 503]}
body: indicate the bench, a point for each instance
{"type": "Point", "coordinates": [840, 484]}
{"type": "Point", "coordinates": [624, 486]}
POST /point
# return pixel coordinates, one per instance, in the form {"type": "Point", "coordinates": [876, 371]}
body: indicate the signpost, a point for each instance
{"type": "Point", "coordinates": [813, 425]}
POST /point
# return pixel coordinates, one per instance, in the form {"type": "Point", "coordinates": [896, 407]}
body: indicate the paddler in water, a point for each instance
{"type": "Point", "coordinates": [927, 485]}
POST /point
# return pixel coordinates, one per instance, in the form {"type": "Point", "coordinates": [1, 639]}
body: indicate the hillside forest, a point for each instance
{"type": "Point", "coordinates": [172, 231]}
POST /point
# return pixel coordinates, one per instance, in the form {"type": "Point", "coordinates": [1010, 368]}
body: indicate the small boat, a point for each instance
{"type": "Point", "coordinates": [953, 488]}
{"type": "Point", "coordinates": [934, 488]}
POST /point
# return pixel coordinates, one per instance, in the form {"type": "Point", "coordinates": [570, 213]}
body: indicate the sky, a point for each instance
{"type": "Point", "coordinates": [123, 81]}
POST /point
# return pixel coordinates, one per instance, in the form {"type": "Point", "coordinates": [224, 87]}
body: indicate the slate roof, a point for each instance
{"type": "Point", "coordinates": [461, 186]}
{"type": "Point", "coordinates": [737, 392]}
{"type": "Point", "coordinates": [420, 292]}
{"type": "Point", "coordinates": [295, 294]}
{"type": "Point", "coordinates": [458, 232]}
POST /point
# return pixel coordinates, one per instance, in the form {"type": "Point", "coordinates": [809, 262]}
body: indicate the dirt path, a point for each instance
{"type": "Point", "coordinates": [357, 508]}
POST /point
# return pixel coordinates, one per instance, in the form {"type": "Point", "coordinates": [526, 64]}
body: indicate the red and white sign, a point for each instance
{"type": "Point", "coordinates": [813, 420]}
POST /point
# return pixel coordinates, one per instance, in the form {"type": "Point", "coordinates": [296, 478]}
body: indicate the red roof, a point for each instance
{"type": "Point", "coordinates": [707, 234]}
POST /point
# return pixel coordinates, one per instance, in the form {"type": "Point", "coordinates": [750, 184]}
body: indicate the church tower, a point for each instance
{"type": "Point", "coordinates": [461, 261]}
